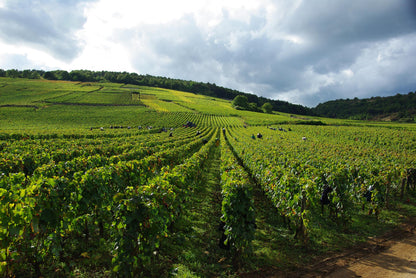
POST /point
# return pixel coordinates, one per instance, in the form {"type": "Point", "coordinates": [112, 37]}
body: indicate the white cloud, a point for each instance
{"type": "Point", "coordinates": [23, 57]}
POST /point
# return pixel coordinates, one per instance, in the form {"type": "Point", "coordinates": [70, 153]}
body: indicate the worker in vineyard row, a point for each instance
{"type": "Point", "coordinates": [373, 196]}
{"type": "Point", "coordinates": [368, 193]}
{"type": "Point", "coordinates": [217, 142]}
{"type": "Point", "coordinates": [324, 197]}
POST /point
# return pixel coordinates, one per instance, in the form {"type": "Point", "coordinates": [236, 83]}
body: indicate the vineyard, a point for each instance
{"type": "Point", "coordinates": [96, 181]}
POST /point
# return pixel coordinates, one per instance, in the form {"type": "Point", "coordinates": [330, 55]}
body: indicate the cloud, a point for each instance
{"type": "Point", "coordinates": [49, 26]}
{"type": "Point", "coordinates": [301, 51]}
{"type": "Point", "coordinates": [312, 53]}
{"type": "Point", "coordinates": [381, 69]}
{"type": "Point", "coordinates": [337, 37]}
{"type": "Point", "coordinates": [184, 49]}
{"type": "Point", "coordinates": [10, 61]}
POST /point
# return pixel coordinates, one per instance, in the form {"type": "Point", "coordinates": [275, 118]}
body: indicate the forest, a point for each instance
{"type": "Point", "coordinates": [394, 108]}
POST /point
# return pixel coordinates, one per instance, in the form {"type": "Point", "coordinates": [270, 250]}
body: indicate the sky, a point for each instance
{"type": "Point", "coordinates": [301, 51]}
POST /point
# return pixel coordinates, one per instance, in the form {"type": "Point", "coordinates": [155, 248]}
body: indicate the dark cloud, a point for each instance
{"type": "Point", "coordinates": [229, 51]}
{"type": "Point", "coordinates": [46, 25]}
{"type": "Point", "coordinates": [247, 54]}
{"type": "Point", "coordinates": [340, 22]}
{"type": "Point", "coordinates": [339, 30]}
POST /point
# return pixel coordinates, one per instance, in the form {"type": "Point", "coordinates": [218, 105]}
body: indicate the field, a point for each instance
{"type": "Point", "coordinates": [101, 180]}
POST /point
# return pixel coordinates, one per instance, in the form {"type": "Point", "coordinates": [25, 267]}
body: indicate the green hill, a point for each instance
{"type": "Point", "coordinates": [38, 104]}
{"type": "Point", "coordinates": [207, 89]}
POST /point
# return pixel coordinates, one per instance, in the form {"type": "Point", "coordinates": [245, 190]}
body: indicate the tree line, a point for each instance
{"type": "Point", "coordinates": [208, 89]}
{"type": "Point", "coordinates": [401, 107]}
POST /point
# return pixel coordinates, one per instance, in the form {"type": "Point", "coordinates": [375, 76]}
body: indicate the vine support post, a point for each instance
{"type": "Point", "coordinates": [301, 229]}
{"type": "Point", "coordinates": [387, 195]}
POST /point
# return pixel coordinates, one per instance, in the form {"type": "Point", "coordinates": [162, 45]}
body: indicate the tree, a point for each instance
{"type": "Point", "coordinates": [240, 102]}
{"type": "Point", "coordinates": [50, 75]}
{"type": "Point", "coordinates": [267, 108]}
{"type": "Point", "coordinates": [34, 75]}
{"type": "Point", "coordinates": [13, 73]}
{"type": "Point", "coordinates": [252, 106]}
{"type": "Point", "coordinates": [61, 75]}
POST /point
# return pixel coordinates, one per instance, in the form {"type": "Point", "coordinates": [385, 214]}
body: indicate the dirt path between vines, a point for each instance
{"type": "Point", "coordinates": [391, 255]}
{"type": "Point", "coordinates": [387, 256]}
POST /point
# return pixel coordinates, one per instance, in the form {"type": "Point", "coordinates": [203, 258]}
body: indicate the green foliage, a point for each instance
{"type": "Point", "coordinates": [393, 108]}
{"type": "Point", "coordinates": [252, 106]}
{"type": "Point", "coordinates": [238, 213]}
{"type": "Point", "coordinates": [90, 199]}
{"type": "Point", "coordinates": [267, 108]}
{"type": "Point", "coordinates": [293, 172]}
{"type": "Point", "coordinates": [241, 102]}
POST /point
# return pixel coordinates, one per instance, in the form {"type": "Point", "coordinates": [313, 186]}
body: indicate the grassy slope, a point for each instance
{"type": "Point", "coordinates": [35, 105]}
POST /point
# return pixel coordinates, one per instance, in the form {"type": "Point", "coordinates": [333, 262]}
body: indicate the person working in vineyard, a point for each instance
{"type": "Point", "coordinates": [217, 142]}
{"type": "Point", "coordinates": [325, 198]}
{"type": "Point", "coordinates": [373, 197]}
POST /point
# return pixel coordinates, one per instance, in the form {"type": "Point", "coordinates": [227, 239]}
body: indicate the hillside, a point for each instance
{"type": "Point", "coordinates": [400, 108]}
{"type": "Point", "coordinates": [39, 104]}
{"type": "Point", "coordinates": [207, 89]}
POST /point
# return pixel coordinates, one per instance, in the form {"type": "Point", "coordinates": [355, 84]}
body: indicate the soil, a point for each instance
{"type": "Point", "coordinates": [391, 255]}
{"type": "Point", "coordinates": [386, 256]}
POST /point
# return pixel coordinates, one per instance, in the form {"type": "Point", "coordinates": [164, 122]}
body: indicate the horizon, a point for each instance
{"type": "Point", "coordinates": [309, 107]}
